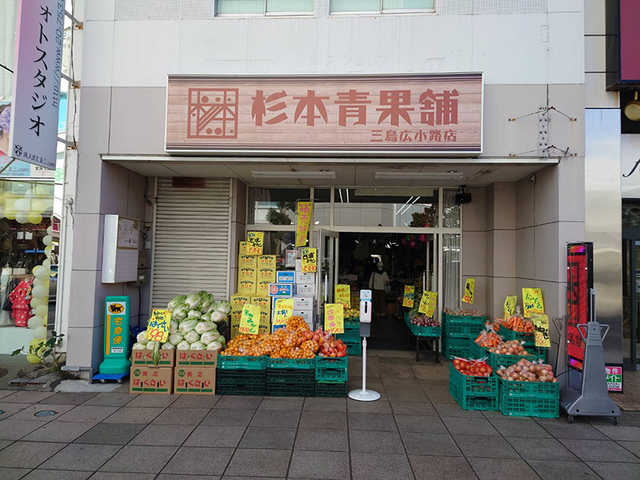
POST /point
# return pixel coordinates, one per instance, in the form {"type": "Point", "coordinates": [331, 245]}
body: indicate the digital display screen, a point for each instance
{"type": "Point", "coordinates": [579, 282]}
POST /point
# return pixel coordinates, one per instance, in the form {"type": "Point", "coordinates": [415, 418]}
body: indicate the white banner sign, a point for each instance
{"type": "Point", "coordinates": [36, 82]}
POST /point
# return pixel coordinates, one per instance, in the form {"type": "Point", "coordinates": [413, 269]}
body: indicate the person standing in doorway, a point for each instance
{"type": "Point", "coordinates": [378, 283]}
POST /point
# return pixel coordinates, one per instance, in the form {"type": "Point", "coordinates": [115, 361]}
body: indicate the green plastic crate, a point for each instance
{"type": "Point", "coordinates": [229, 362]}
{"type": "Point", "coordinates": [495, 360]}
{"type": "Point", "coordinates": [246, 390]}
{"type": "Point", "coordinates": [301, 377]}
{"type": "Point", "coordinates": [508, 334]}
{"type": "Point", "coordinates": [529, 399]}
{"type": "Point", "coordinates": [473, 393]}
{"type": "Point", "coordinates": [290, 390]}
{"type": "Point", "coordinates": [248, 378]}
{"type": "Point", "coordinates": [352, 326]}
{"type": "Point", "coordinates": [354, 347]}
{"type": "Point", "coordinates": [332, 369]}
{"type": "Point", "coordinates": [329, 389]}
{"type": "Point", "coordinates": [422, 331]}
{"type": "Point", "coordinates": [291, 363]}
{"type": "Point", "coordinates": [457, 347]}
{"type": "Point", "coordinates": [349, 337]}
{"type": "Point", "coordinates": [463, 327]}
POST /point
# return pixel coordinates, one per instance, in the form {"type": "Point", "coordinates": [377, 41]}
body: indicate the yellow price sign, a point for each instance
{"type": "Point", "coordinates": [541, 330]}
{"type": "Point", "coordinates": [469, 290]}
{"type": "Point", "coordinates": [309, 260]}
{"type": "Point", "coordinates": [303, 220]}
{"type": "Point", "coordinates": [250, 319]}
{"type": "Point", "coordinates": [343, 295]}
{"type": "Point", "coordinates": [158, 326]}
{"type": "Point", "coordinates": [283, 311]}
{"type": "Point", "coordinates": [256, 243]}
{"type": "Point", "coordinates": [428, 303]}
{"type": "Point", "coordinates": [409, 296]}
{"type": "Point", "coordinates": [532, 301]}
{"type": "Point", "coordinates": [334, 317]}
{"type": "Point", "coordinates": [510, 306]}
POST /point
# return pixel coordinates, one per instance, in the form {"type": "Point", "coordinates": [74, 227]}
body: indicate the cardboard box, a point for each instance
{"type": "Point", "coordinates": [286, 276]}
{"type": "Point", "coordinates": [305, 277]}
{"type": "Point", "coordinates": [154, 380]}
{"type": "Point", "coordinates": [299, 265]}
{"type": "Point", "coordinates": [237, 301]}
{"type": "Point", "coordinates": [145, 357]}
{"type": "Point", "coordinates": [303, 303]}
{"type": "Point", "coordinates": [282, 289]}
{"type": "Point", "coordinates": [262, 288]}
{"type": "Point", "coordinates": [246, 261]}
{"type": "Point", "coordinates": [305, 289]}
{"type": "Point", "coordinates": [247, 287]}
{"type": "Point", "coordinates": [268, 261]}
{"type": "Point", "coordinates": [264, 302]}
{"type": "Point", "coordinates": [266, 274]}
{"type": "Point", "coordinates": [195, 380]}
{"type": "Point", "coordinates": [204, 358]}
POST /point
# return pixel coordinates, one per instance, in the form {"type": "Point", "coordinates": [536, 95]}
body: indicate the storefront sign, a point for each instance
{"type": "Point", "coordinates": [469, 290]}
{"type": "Point", "coordinates": [36, 82]}
{"type": "Point", "coordinates": [250, 320]}
{"type": "Point", "coordinates": [283, 311]}
{"type": "Point", "coordinates": [532, 301]}
{"type": "Point", "coordinates": [541, 330]}
{"type": "Point", "coordinates": [409, 296]}
{"type": "Point", "coordinates": [343, 295]}
{"type": "Point", "coordinates": [614, 378]}
{"type": "Point", "coordinates": [334, 318]}
{"type": "Point", "coordinates": [303, 220]}
{"type": "Point", "coordinates": [309, 260]}
{"type": "Point", "coordinates": [413, 114]}
{"type": "Point", "coordinates": [428, 303]}
{"type": "Point", "coordinates": [255, 243]}
{"type": "Point", "coordinates": [158, 325]}
{"type": "Point", "coordinates": [510, 305]}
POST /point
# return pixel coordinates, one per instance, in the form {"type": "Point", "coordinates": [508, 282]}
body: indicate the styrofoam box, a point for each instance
{"type": "Point", "coordinates": [286, 276]}
{"type": "Point", "coordinates": [303, 303]}
{"type": "Point", "coordinates": [306, 314]}
{"type": "Point", "coordinates": [305, 289]}
{"type": "Point", "coordinates": [305, 277]}
{"type": "Point", "coordinates": [282, 289]}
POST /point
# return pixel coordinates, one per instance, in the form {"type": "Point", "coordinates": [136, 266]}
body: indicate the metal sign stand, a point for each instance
{"type": "Point", "coordinates": [364, 395]}
{"type": "Point", "coordinates": [589, 396]}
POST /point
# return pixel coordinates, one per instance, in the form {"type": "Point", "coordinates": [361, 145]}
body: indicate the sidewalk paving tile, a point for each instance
{"type": "Point", "coordinates": [275, 418]}
{"type": "Point", "coordinates": [319, 404]}
{"type": "Point", "coordinates": [68, 398]}
{"type": "Point", "coordinates": [540, 449]}
{"type": "Point", "coordinates": [6, 393]}
{"type": "Point", "coordinates": [230, 418]}
{"type": "Point", "coordinates": [5, 443]}
{"type": "Point", "coordinates": [78, 456]}
{"type": "Point", "coordinates": [196, 401]}
{"type": "Point", "coordinates": [380, 466]}
{"type": "Point", "coordinates": [9, 409]}
{"type": "Point", "coordinates": [616, 471]}
{"type": "Point", "coordinates": [562, 470]}
{"type": "Point", "coordinates": [633, 447]}
{"type": "Point", "coordinates": [268, 438]}
{"type": "Point", "coordinates": [502, 469]}
{"type": "Point", "coordinates": [128, 414]}
{"type": "Point", "coordinates": [29, 412]}
{"type": "Point", "coordinates": [181, 416]}
{"type": "Point", "coordinates": [171, 476]}
{"type": "Point", "coordinates": [486, 447]}
{"type": "Point", "coordinates": [58, 432]}
{"type": "Point", "coordinates": [26, 396]}
{"type": "Point", "coordinates": [620, 432]}
{"type": "Point", "coordinates": [215, 436]}
{"type": "Point", "coordinates": [469, 426]}
{"type": "Point", "coordinates": [13, 473]}
{"type": "Point", "coordinates": [122, 476]}
{"type": "Point", "coordinates": [454, 410]}
{"type": "Point", "coordinates": [163, 435]}
{"type": "Point", "coordinates": [111, 434]}
{"type": "Point", "coordinates": [281, 403]}
{"type": "Point", "coordinates": [39, 474]}
{"type": "Point", "coordinates": [441, 468]}
{"type": "Point", "coordinates": [372, 421]}
{"type": "Point", "coordinates": [110, 399]}
{"type": "Point", "coordinates": [236, 402]}
{"type": "Point", "coordinates": [16, 429]}
{"type": "Point", "coordinates": [312, 419]}
{"type": "Point", "coordinates": [560, 428]}
{"type": "Point", "coordinates": [420, 424]}
{"type": "Point", "coordinates": [28, 454]}
{"type": "Point", "coordinates": [188, 460]}
{"type": "Point", "coordinates": [599, 451]}
{"type": "Point", "coordinates": [406, 394]}
{"type": "Point", "coordinates": [157, 401]}
{"type": "Point", "coordinates": [526, 428]}
{"type": "Point", "coordinates": [413, 408]}
{"type": "Point", "coordinates": [140, 459]}
{"type": "Point", "coordinates": [375, 442]}
{"type": "Point", "coordinates": [380, 406]}
{"type": "Point", "coordinates": [319, 465]}
{"type": "Point", "coordinates": [322, 440]}
{"type": "Point", "coordinates": [430, 444]}
{"type": "Point", "coordinates": [254, 462]}
{"type": "Point", "coordinates": [86, 414]}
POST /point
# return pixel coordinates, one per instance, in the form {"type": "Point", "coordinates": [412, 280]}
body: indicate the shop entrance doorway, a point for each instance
{"type": "Point", "coordinates": [631, 297]}
{"type": "Point", "coordinates": [398, 259]}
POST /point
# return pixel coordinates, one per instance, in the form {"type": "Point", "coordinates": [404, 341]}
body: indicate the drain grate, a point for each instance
{"type": "Point", "coordinates": [3, 372]}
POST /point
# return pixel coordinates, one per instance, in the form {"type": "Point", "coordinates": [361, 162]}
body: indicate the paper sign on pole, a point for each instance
{"type": "Point", "coordinates": [158, 325]}
{"type": "Point", "coordinates": [303, 220]}
{"type": "Point", "coordinates": [428, 303]}
{"type": "Point", "coordinates": [469, 289]}
{"type": "Point", "coordinates": [309, 260]}
{"type": "Point", "coordinates": [250, 320]}
{"type": "Point", "coordinates": [532, 301]}
{"type": "Point", "coordinates": [409, 296]}
{"type": "Point", "coordinates": [334, 318]}
{"type": "Point", "coordinates": [510, 306]}
{"type": "Point", "coordinates": [541, 330]}
{"type": "Point", "coordinates": [255, 242]}
{"type": "Point", "coordinates": [33, 131]}
{"type": "Point", "coordinates": [283, 311]}
{"type": "Point", "coordinates": [343, 295]}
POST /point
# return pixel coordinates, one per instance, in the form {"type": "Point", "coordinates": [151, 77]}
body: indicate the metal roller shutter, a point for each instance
{"type": "Point", "coordinates": [191, 239]}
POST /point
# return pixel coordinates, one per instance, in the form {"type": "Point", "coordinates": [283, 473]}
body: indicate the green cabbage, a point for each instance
{"type": "Point", "coordinates": [187, 325]}
{"type": "Point", "coordinates": [173, 327]}
{"type": "Point", "coordinates": [168, 346]}
{"type": "Point", "coordinates": [141, 338]}
{"type": "Point", "coordinates": [208, 337]}
{"type": "Point", "coordinates": [206, 317]}
{"type": "Point", "coordinates": [197, 346]}
{"type": "Point", "coordinates": [224, 307]}
{"type": "Point", "coordinates": [205, 327]}
{"type": "Point", "coordinates": [215, 346]}
{"type": "Point", "coordinates": [180, 313]}
{"type": "Point", "coordinates": [183, 345]}
{"type": "Point", "coordinates": [192, 336]}
{"type": "Point", "coordinates": [179, 300]}
{"type": "Point", "coordinates": [139, 346]}
{"type": "Point", "coordinates": [151, 344]}
{"type": "Point", "coordinates": [218, 317]}
{"type": "Point", "coordinates": [193, 300]}
{"type": "Point", "coordinates": [175, 338]}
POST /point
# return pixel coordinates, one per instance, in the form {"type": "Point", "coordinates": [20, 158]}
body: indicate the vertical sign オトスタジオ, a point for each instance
{"type": "Point", "coordinates": [116, 336]}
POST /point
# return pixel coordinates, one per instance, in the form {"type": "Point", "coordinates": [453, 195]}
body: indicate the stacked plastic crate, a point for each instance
{"type": "Point", "coordinates": [293, 377]}
{"type": "Point", "coordinates": [331, 377]}
{"type": "Point", "coordinates": [351, 337]}
{"type": "Point", "coordinates": [460, 332]}
{"type": "Point", "coordinates": [241, 375]}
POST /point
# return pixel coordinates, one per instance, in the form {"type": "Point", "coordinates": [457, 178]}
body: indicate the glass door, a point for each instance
{"type": "Point", "coordinates": [631, 300]}
{"type": "Point", "coordinates": [328, 269]}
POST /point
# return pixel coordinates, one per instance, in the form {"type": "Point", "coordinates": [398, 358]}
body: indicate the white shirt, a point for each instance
{"type": "Point", "coordinates": [378, 280]}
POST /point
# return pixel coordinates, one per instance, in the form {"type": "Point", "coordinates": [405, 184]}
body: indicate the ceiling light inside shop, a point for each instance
{"type": "Point", "coordinates": [276, 174]}
{"type": "Point", "coordinates": [451, 175]}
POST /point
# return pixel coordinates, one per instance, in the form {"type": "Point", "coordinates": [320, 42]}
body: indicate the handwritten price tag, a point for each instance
{"type": "Point", "coordinates": [469, 289]}
{"type": "Point", "coordinates": [408, 298]}
{"type": "Point", "coordinates": [250, 320]}
{"type": "Point", "coordinates": [256, 243]}
{"type": "Point", "coordinates": [334, 317]}
{"type": "Point", "coordinates": [309, 260]}
{"type": "Point", "coordinates": [428, 303]}
{"type": "Point", "coordinates": [541, 330]}
{"type": "Point", "coordinates": [343, 295]}
{"type": "Point", "coordinates": [158, 326]}
{"type": "Point", "coordinates": [532, 301]}
{"type": "Point", "coordinates": [283, 311]}
{"type": "Point", "coordinates": [510, 306]}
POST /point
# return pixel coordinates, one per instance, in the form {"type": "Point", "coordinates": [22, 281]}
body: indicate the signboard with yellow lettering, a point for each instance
{"type": "Point", "coordinates": [116, 336]}
{"type": "Point", "coordinates": [409, 296]}
{"type": "Point", "coordinates": [304, 211]}
{"type": "Point", "coordinates": [532, 301]}
{"type": "Point", "coordinates": [158, 325]}
{"type": "Point", "coordinates": [343, 295]}
{"type": "Point", "coordinates": [255, 243]}
{"type": "Point", "coordinates": [469, 290]}
{"type": "Point", "coordinates": [334, 318]}
{"type": "Point", "coordinates": [250, 320]}
{"type": "Point", "coordinates": [309, 260]}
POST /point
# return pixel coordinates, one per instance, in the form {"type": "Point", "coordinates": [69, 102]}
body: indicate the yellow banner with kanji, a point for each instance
{"type": "Point", "coordinates": [541, 330]}
{"type": "Point", "coordinates": [334, 318]}
{"type": "Point", "coordinates": [255, 242]}
{"type": "Point", "coordinates": [158, 325]}
{"type": "Point", "coordinates": [250, 320]}
{"type": "Point", "coordinates": [510, 306]}
{"type": "Point", "coordinates": [343, 295]}
{"type": "Point", "coordinates": [428, 303]}
{"type": "Point", "coordinates": [304, 211]}
{"type": "Point", "coordinates": [309, 260]}
{"type": "Point", "coordinates": [469, 290]}
{"type": "Point", "coordinates": [408, 298]}
{"type": "Point", "coordinates": [532, 301]}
